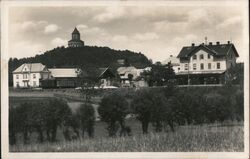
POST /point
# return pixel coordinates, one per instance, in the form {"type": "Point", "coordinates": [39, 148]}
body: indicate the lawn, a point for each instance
{"type": "Point", "coordinates": [206, 138]}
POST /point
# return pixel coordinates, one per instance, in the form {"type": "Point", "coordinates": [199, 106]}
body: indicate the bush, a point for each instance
{"type": "Point", "coordinates": [86, 114]}
{"type": "Point", "coordinates": [113, 110]}
{"type": "Point", "coordinates": [38, 117]}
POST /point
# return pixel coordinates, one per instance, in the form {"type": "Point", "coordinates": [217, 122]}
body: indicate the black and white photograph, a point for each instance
{"type": "Point", "coordinates": [125, 79]}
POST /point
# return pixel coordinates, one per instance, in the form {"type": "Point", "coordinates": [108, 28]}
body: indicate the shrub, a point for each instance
{"type": "Point", "coordinates": [86, 114]}
{"type": "Point", "coordinates": [142, 106]}
{"type": "Point", "coordinates": [113, 110]}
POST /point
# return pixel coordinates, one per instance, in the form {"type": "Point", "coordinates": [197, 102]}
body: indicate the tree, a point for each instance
{"type": "Point", "coordinates": [159, 110]}
{"type": "Point", "coordinates": [86, 114]}
{"type": "Point", "coordinates": [159, 74]}
{"type": "Point", "coordinates": [113, 110]}
{"type": "Point", "coordinates": [142, 105]}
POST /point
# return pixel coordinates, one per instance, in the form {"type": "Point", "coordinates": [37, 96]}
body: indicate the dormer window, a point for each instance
{"type": "Point", "coordinates": [17, 76]}
{"type": "Point", "coordinates": [194, 57]}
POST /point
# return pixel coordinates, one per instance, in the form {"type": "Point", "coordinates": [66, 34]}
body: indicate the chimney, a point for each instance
{"type": "Point", "coordinates": [217, 43]}
{"type": "Point", "coordinates": [193, 44]}
{"type": "Point", "coordinates": [210, 43]}
{"type": "Point", "coordinates": [202, 43]}
{"type": "Point", "coordinates": [228, 42]}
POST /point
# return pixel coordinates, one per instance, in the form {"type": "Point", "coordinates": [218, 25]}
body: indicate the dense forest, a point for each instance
{"type": "Point", "coordinates": [84, 57]}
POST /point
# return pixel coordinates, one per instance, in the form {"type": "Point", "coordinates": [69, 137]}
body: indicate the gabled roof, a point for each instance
{"type": "Point", "coordinates": [32, 67]}
{"type": "Point", "coordinates": [64, 72]}
{"type": "Point", "coordinates": [216, 50]}
{"type": "Point", "coordinates": [75, 31]}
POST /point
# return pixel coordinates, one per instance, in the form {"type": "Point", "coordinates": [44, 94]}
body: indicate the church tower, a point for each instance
{"type": "Point", "coordinates": [76, 39]}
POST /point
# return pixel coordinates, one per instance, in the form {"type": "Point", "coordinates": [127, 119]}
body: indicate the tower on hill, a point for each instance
{"type": "Point", "coordinates": [76, 39]}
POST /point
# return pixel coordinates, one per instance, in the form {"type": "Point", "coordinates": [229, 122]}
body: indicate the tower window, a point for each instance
{"type": "Point", "coordinates": [17, 76]}
{"type": "Point", "coordinates": [201, 57]}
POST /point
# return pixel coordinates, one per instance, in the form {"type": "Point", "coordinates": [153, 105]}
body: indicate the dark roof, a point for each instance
{"type": "Point", "coordinates": [216, 50]}
{"type": "Point", "coordinates": [75, 31]}
{"type": "Point", "coordinates": [99, 73]}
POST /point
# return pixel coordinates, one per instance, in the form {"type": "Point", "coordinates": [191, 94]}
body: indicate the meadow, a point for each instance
{"type": "Point", "coordinates": [195, 138]}
{"type": "Point", "coordinates": [227, 136]}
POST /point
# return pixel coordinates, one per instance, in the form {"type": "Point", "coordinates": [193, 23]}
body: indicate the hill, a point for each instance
{"type": "Point", "coordinates": [84, 57]}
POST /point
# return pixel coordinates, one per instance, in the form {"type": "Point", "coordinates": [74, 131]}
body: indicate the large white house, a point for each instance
{"type": "Point", "coordinates": [206, 63]}
{"type": "Point", "coordinates": [29, 75]}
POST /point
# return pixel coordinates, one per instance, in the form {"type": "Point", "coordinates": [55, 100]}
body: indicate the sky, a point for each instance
{"type": "Point", "coordinates": [155, 31]}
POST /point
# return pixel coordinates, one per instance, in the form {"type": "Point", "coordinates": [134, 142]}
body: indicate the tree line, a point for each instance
{"type": "Point", "coordinates": [164, 108]}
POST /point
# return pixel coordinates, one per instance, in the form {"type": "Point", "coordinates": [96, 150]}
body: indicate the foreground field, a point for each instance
{"type": "Point", "coordinates": [209, 138]}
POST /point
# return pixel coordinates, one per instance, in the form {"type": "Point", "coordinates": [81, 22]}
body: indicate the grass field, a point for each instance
{"type": "Point", "coordinates": [207, 138]}
{"type": "Point", "coordinates": [228, 137]}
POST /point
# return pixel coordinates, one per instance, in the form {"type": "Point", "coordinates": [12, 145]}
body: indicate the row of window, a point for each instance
{"type": "Point", "coordinates": [25, 76]}
{"type": "Point", "coordinates": [201, 57]}
{"type": "Point", "coordinates": [209, 66]}
{"type": "Point", "coordinates": [34, 84]}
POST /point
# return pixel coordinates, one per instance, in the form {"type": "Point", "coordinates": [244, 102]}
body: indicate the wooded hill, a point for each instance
{"type": "Point", "coordinates": [84, 57]}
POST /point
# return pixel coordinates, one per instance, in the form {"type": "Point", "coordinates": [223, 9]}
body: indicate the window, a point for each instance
{"type": "Point", "coordinates": [17, 76]}
{"type": "Point", "coordinates": [17, 84]}
{"type": "Point", "coordinates": [34, 75]}
{"type": "Point", "coordinates": [218, 65]}
{"type": "Point", "coordinates": [34, 83]}
{"type": "Point", "coordinates": [25, 76]}
{"type": "Point", "coordinates": [186, 66]}
{"type": "Point", "coordinates": [201, 57]}
{"type": "Point", "coordinates": [208, 56]}
{"type": "Point", "coordinates": [194, 66]}
{"type": "Point", "coordinates": [194, 57]}
{"type": "Point", "coordinates": [209, 66]}
{"type": "Point", "coordinates": [202, 66]}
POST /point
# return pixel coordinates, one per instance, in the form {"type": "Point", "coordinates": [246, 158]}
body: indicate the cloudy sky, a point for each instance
{"type": "Point", "coordinates": [156, 31]}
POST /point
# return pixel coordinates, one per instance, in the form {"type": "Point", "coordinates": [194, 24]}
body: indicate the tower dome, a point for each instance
{"type": "Point", "coordinates": [76, 39]}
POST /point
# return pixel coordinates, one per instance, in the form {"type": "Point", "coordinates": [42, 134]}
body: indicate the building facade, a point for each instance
{"type": "Point", "coordinates": [29, 75]}
{"type": "Point", "coordinates": [206, 64]}
{"type": "Point", "coordinates": [76, 39]}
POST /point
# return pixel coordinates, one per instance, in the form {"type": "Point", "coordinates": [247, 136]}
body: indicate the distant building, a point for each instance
{"type": "Point", "coordinates": [105, 76]}
{"type": "Point", "coordinates": [127, 74]}
{"type": "Point", "coordinates": [130, 76]}
{"type": "Point", "coordinates": [76, 39]}
{"type": "Point", "coordinates": [206, 64]}
{"type": "Point", "coordinates": [64, 77]}
{"type": "Point", "coordinates": [175, 63]}
{"type": "Point", "coordinates": [29, 75]}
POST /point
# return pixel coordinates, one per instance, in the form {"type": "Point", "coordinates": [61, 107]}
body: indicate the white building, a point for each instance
{"type": "Point", "coordinates": [207, 63]}
{"type": "Point", "coordinates": [29, 75]}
